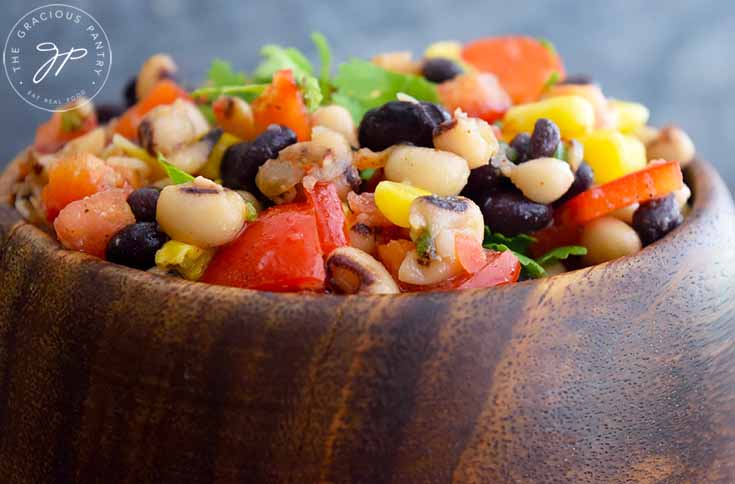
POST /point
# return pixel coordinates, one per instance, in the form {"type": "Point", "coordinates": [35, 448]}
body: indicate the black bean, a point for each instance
{"type": "Point", "coordinates": [507, 211]}
{"type": "Point", "coordinates": [584, 178]}
{"type": "Point", "coordinates": [129, 95]}
{"type": "Point", "coordinates": [656, 218]}
{"type": "Point", "coordinates": [399, 122]}
{"type": "Point", "coordinates": [106, 112]}
{"type": "Point", "coordinates": [577, 79]}
{"type": "Point", "coordinates": [545, 139]}
{"type": "Point", "coordinates": [521, 144]}
{"type": "Point", "coordinates": [143, 202]}
{"type": "Point", "coordinates": [136, 245]}
{"type": "Point", "coordinates": [483, 179]}
{"type": "Point", "coordinates": [241, 161]}
{"type": "Point", "coordinates": [440, 69]}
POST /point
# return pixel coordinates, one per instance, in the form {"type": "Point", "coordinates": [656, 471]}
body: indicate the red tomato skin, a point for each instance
{"type": "Point", "coordinates": [470, 253]}
{"type": "Point", "coordinates": [330, 217]}
{"type": "Point", "coordinates": [281, 103]}
{"type": "Point", "coordinates": [522, 64]}
{"type": "Point", "coordinates": [501, 268]}
{"type": "Point", "coordinates": [278, 252]}
{"type": "Point", "coordinates": [478, 95]}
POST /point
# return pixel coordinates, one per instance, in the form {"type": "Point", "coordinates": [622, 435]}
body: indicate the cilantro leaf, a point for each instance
{"type": "Point", "coordinates": [547, 44]}
{"type": "Point", "coordinates": [71, 121]}
{"type": "Point", "coordinates": [361, 85]}
{"type": "Point", "coordinates": [519, 243]}
{"type": "Point", "coordinates": [247, 91]}
{"type": "Point", "coordinates": [311, 91]}
{"type": "Point", "coordinates": [250, 212]}
{"type": "Point", "coordinates": [277, 58]}
{"type": "Point", "coordinates": [176, 175]}
{"type": "Point", "coordinates": [367, 174]}
{"type": "Point", "coordinates": [552, 81]}
{"type": "Point", "coordinates": [325, 62]}
{"type": "Point", "coordinates": [561, 253]}
{"type": "Point", "coordinates": [561, 152]}
{"type": "Point", "coordinates": [221, 74]}
{"type": "Point", "coordinates": [425, 246]}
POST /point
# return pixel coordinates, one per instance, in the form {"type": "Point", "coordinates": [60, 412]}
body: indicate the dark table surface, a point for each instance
{"type": "Point", "coordinates": [672, 56]}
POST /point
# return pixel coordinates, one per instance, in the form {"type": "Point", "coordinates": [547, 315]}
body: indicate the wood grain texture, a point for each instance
{"type": "Point", "coordinates": [623, 372]}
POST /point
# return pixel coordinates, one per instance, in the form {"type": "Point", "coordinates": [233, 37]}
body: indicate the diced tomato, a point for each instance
{"type": "Point", "coordinates": [282, 103]}
{"type": "Point", "coordinates": [87, 225]}
{"type": "Point", "coordinates": [470, 253]}
{"type": "Point", "coordinates": [478, 95]}
{"type": "Point", "coordinates": [500, 268]}
{"type": "Point", "coordinates": [522, 64]}
{"type": "Point", "coordinates": [75, 177]}
{"type": "Point", "coordinates": [280, 251]}
{"type": "Point", "coordinates": [393, 253]}
{"type": "Point", "coordinates": [54, 133]}
{"type": "Point", "coordinates": [164, 92]}
{"type": "Point", "coordinates": [658, 179]}
{"type": "Point", "coordinates": [330, 217]}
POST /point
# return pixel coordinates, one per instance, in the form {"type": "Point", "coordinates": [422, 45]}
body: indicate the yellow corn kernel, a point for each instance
{"type": "Point", "coordinates": [612, 154]}
{"type": "Point", "coordinates": [630, 116]}
{"type": "Point", "coordinates": [394, 200]}
{"type": "Point", "coordinates": [574, 115]}
{"type": "Point", "coordinates": [212, 169]}
{"type": "Point", "coordinates": [188, 260]}
{"type": "Point", "coordinates": [448, 49]}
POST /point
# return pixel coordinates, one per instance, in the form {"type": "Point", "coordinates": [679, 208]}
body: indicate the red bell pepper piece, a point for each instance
{"type": "Point", "coordinates": [654, 181]}
{"type": "Point", "coordinates": [280, 251]}
{"type": "Point", "coordinates": [330, 217]}
{"type": "Point", "coordinates": [164, 92]}
{"type": "Point", "coordinates": [282, 103]}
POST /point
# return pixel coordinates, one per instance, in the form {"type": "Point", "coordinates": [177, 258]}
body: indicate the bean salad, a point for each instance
{"type": "Point", "coordinates": [472, 166]}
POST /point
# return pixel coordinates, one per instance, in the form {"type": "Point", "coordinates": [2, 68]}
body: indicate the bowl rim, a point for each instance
{"type": "Point", "coordinates": [710, 195]}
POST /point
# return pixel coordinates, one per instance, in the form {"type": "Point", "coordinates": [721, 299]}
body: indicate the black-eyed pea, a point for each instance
{"type": "Point", "coordinates": [416, 270]}
{"type": "Point", "coordinates": [471, 138]}
{"type": "Point", "coordinates": [625, 214]}
{"type": "Point", "coordinates": [169, 127]}
{"type": "Point", "coordinates": [439, 172]}
{"type": "Point", "coordinates": [201, 213]}
{"type": "Point", "coordinates": [608, 238]}
{"type": "Point", "coordinates": [672, 143]}
{"type": "Point", "coordinates": [443, 218]}
{"type": "Point", "coordinates": [338, 119]}
{"type": "Point", "coordinates": [682, 196]}
{"type": "Point", "coordinates": [352, 271]}
{"type": "Point", "coordinates": [155, 68]}
{"type": "Point", "coordinates": [543, 180]}
{"type": "Point", "coordinates": [399, 61]}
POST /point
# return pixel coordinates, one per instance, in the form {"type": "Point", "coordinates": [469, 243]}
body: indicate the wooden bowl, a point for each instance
{"type": "Point", "coordinates": [622, 372]}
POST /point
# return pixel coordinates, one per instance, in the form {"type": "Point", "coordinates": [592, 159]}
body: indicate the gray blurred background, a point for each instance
{"type": "Point", "coordinates": [674, 56]}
